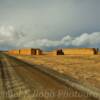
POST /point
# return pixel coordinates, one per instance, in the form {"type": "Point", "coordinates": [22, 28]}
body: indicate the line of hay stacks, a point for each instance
{"type": "Point", "coordinates": [74, 51]}
{"type": "Point", "coordinates": [80, 51]}
{"type": "Point", "coordinates": [26, 51]}
{"type": "Point", "coordinates": [64, 51]}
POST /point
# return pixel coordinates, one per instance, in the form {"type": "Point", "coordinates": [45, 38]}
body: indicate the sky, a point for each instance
{"type": "Point", "coordinates": [49, 24]}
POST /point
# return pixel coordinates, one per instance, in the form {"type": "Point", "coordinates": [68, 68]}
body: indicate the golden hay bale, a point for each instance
{"type": "Point", "coordinates": [80, 51]}
{"type": "Point", "coordinates": [14, 52]}
{"type": "Point", "coordinates": [28, 51]}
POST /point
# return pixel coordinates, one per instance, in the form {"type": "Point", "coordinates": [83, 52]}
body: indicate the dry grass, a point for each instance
{"type": "Point", "coordinates": [83, 68]}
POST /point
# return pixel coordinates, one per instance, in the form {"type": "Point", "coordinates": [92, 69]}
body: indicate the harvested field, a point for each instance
{"type": "Point", "coordinates": [22, 81]}
{"type": "Point", "coordinates": [84, 68]}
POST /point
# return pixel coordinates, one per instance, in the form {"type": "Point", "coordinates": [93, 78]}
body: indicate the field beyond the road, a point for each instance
{"type": "Point", "coordinates": [83, 68]}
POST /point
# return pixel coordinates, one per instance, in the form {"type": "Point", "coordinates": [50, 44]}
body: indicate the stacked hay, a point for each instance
{"type": "Point", "coordinates": [28, 51]}
{"type": "Point", "coordinates": [80, 51]}
{"type": "Point", "coordinates": [59, 52]}
{"type": "Point", "coordinates": [14, 52]}
{"type": "Point", "coordinates": [38, 52]}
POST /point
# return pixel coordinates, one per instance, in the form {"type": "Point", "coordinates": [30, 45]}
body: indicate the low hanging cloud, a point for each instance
{"type": "Point", "coordinates": [10, 38]}
{"type": "Point", "coordinates": [84, 40]}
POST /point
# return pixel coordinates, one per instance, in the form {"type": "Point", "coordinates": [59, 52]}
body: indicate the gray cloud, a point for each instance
{"type": "Point", "coordinates": [14, 39]}
{"type": "Point", "coordinates": [85, 39]}
{"type": "Point", "coordinates": [49, 23]}
{"type": "Point", "coordinates": [9, 37]}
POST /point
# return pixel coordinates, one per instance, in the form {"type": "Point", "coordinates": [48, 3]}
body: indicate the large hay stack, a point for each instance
{"type": "Point", "coordinates": [80, 51]}
{"type": "Point", "coordinates": [28, 51]}
{"type": "Point", "coordinates": [59, 52]}
{"type": "Point", "coordinates": [14, 52]}
{"type": "Point", "coordinates": [25, 51]}
{"type": "Point", "coordinates": [38, 52]}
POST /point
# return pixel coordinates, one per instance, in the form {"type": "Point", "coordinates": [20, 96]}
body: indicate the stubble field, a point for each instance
{"type": "Point", "coordinates": [86, 69]}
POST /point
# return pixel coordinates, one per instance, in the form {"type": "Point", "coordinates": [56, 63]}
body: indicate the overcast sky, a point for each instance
{"type": "Point", "coordinates": [49, 23]}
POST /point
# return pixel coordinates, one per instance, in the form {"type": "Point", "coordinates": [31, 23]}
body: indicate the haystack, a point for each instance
{"type": "Point", "coordinates": [80, 51]}
{"type": "Point", "coordinates": [38, 52]}
{"type": "Point", "coordinates": [28, 51]}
